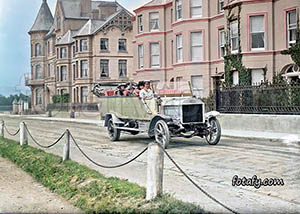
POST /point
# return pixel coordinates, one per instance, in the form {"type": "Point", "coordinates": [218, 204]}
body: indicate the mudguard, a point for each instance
{"type": "Point", "coordinates": [211, 114]}
{"type": "Point", "coordinates": [116, 120]}
{"type": "Point", "coordinates": [154, 120]}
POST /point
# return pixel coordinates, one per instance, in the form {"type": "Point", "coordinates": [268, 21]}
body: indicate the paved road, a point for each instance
{"type": "Point", "coordinates": [212, 167]}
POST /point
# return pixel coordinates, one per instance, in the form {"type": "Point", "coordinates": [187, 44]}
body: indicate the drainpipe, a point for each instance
{"type": "Point", "coordinates": [165, 49]}
{"type": "Point", "coordinates": [209, 46]}
{"type": "Point", "coordinates": [273, 39]}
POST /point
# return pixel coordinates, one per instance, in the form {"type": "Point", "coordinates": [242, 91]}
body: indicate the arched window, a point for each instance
{"type": "Point", "coordinates": [38, 72]}
{"type": "Point", "coordinates": [38, 49]}
{"type": "Point", "coordinates": [38, 96]}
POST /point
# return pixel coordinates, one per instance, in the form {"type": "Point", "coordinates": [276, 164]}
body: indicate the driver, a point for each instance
{"type": "Point", "coordinates": [146, 93]}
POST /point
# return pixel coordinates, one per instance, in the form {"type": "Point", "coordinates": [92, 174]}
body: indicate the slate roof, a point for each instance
{"type": "Point", "coordinates": [71, 8]}
{"type": "Point", "coordinates": [67, 38]}
{"type": "Point", "coordinates": [50, 33]}
{"type": "Point", "coordinates": [157, 2]}
{"type": "Point", "coordinates": [90, 27]}
{"type": "Point", "coordinates": [94, 26]}
{"type": "Point", "coordinates": [96, 4]}
{"type": "Point", "coordinates": [44, 19]}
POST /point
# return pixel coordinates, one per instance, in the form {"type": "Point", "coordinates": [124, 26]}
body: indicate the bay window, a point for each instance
{"type": "Point", "coordinates": [196, 8]}
{"type": "Point", "coordinates": [140, 24]}
{"type": "Point", "coordinates": [155, 55]}
{"type": "Point", "coordinates": [141, 56]}
{"type": "Point", "coordinates": [291, 27]}
{"type": "Point", "coordinates": [178, 8]}
{"type": "Point", "coordinates": [196, 47]}
{"type": "Point", "coordinates": [179, 48]}
{"type": "Point", "coordinates": [63, 73]}
{"type": "Point", "coordinates": [257, 32]}
{"type": "Point", "coordinates": [154, 21]}
{"type": "Point", "coordinates": [234, 36]}
{"type": "Point", "coordinates": [221, 43]}
{"type": "Point", "coordinates": [84, 68]}
{"type": "Point", "coordinates": [83, 45]}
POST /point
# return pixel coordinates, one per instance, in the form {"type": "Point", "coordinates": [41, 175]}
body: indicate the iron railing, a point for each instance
{"type": "Point", "coordinates": [266, 98]}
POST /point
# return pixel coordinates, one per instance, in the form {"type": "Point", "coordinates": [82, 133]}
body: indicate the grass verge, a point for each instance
{"type": "Point", "coordinates": [86, 188]}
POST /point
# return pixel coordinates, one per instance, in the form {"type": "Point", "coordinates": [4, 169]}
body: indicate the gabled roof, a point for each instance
{"type": "Point", "coordinates": [90, 27]}
{"type": "Point", "coordinates": [50, 33]}
{"type": "Point", "coordinates": [67, 38]}
{"type": "Point", "coordinates": [94, 26]}
{"type": "Point", "coordinates": [44, 19]}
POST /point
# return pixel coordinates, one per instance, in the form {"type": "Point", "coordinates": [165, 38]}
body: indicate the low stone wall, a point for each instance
{"type": "Point", "coordinates": [255, 122]}
{"type": "Point", "coordinates": [78, 115]}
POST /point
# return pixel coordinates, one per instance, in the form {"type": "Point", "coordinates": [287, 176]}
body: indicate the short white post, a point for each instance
{"type": "Point", "coordinates": [23, 135]}
{"type": "Point", "coordinates": [66, 150]}
{"type": "Point", "coordinates": [155, 165]}
{"type": "Point", "coordinates": [2, 128]}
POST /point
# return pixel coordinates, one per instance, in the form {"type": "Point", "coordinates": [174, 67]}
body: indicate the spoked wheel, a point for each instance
{"type": "Point", "coordinates": [162, 134]}
{"type": "Point", "coordinates": [214, 135]}
{"type": "Point", "coordinates": [113, 133]}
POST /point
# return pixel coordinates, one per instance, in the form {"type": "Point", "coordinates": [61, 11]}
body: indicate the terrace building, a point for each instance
{"type": "Point", "coordinates": [177, 41]}
{"type": "Point", "coordinates": [86, 42]}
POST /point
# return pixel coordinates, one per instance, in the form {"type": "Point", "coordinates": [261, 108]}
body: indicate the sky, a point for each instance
{"type": "Point", "coordinates": [16, 19]}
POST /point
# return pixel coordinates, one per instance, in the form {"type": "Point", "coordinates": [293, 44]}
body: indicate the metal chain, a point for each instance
{"type": "Point", "coordinates": [45, 147]}
{"type": "Point", "coordinates": [193, 182]}
{"type": "Point", "coordinates": [103, 166]}
{"type": "Point", "coordinates": [17, 132]}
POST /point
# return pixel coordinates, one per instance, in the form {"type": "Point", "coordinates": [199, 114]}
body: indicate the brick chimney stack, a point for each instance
{"type": "Point", "coordinates": [86, 6]}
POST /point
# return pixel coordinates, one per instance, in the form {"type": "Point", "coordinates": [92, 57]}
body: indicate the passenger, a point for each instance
{"type": "Point", "coordinates": [121, 90]}
{"type": "Point", "coordinates": [146, 93]}
{"type": "Point", "coordinates": [140, 87]}
{"type": "Point", "coordinates": [130, 92]}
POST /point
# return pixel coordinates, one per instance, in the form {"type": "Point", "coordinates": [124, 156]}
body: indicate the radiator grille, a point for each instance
{"type": "Point", "coordinates": [192, 113]}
